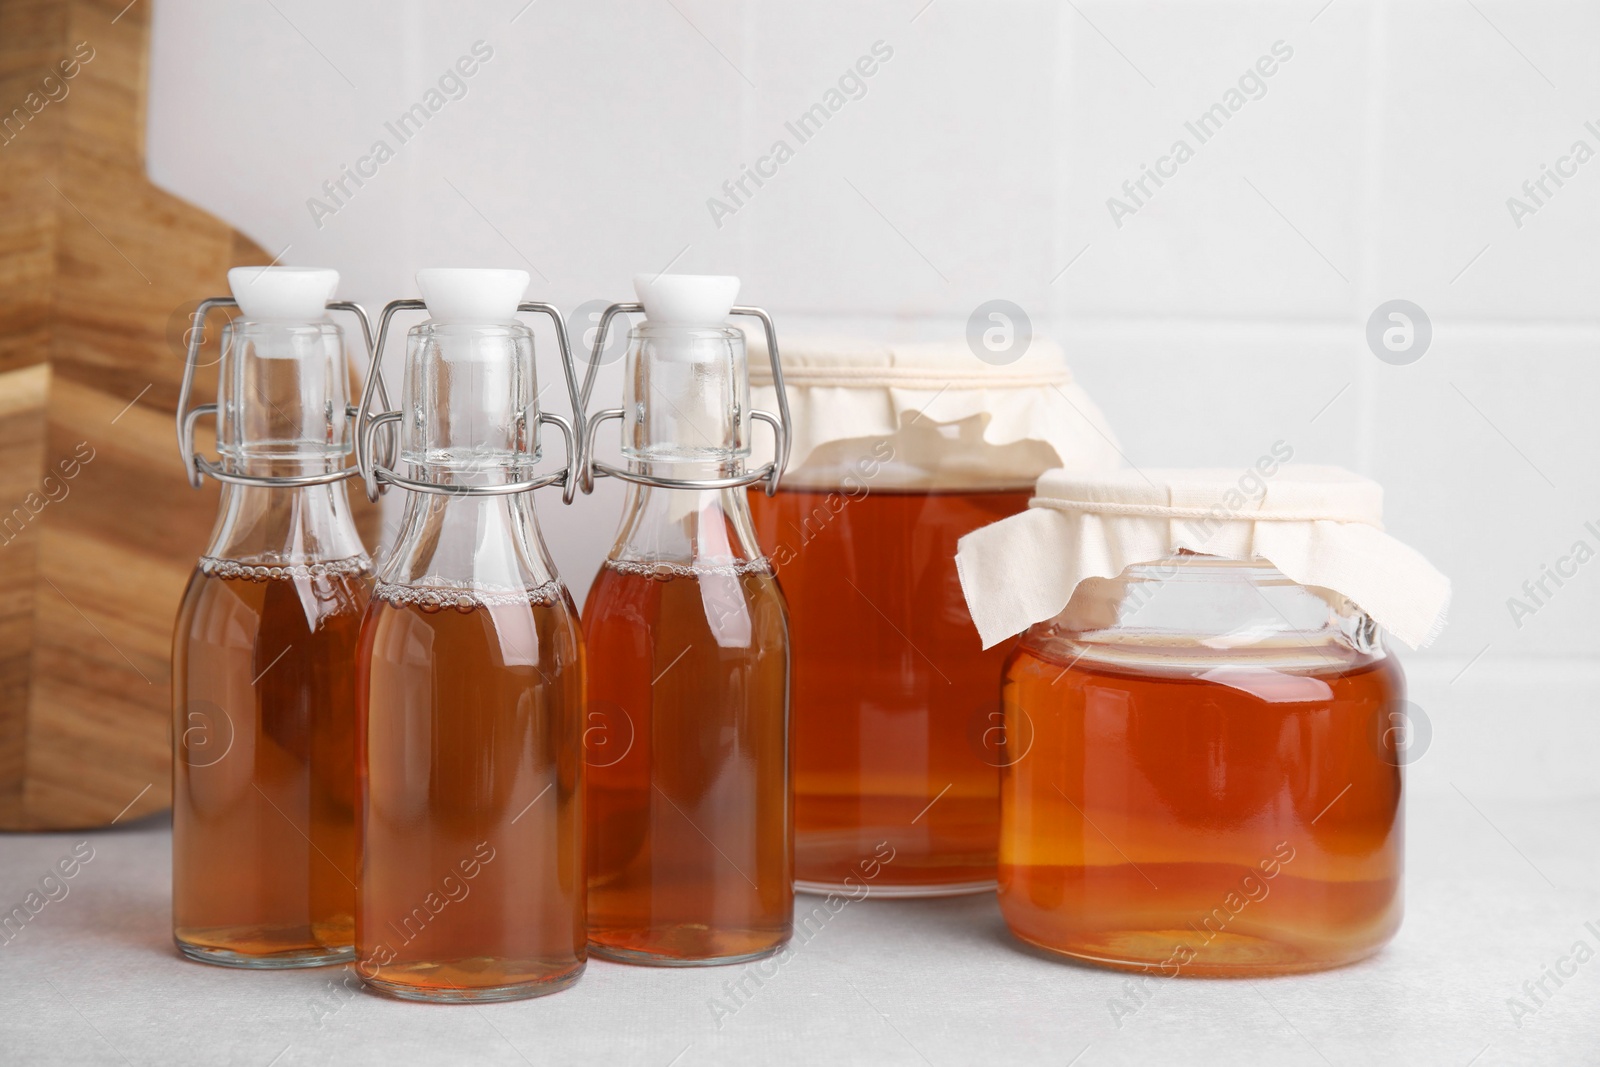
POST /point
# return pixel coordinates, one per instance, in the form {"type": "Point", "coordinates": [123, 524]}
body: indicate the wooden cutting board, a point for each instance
{"type": "Point", "coordinates": [98, 528]}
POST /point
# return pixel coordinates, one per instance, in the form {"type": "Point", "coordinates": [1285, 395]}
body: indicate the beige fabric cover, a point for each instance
{"type": "Point", "coordinates": [853, 390]}
{"type": "Point", "coordinates": [1321, 526]}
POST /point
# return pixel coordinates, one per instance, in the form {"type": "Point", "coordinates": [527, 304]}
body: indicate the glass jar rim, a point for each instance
{"type": "Point", "coordinates": [650, 329]}
{"type": "Point", "coordinates": [484, 329]}
{"type": "Point", "coordinates": [242, 324]}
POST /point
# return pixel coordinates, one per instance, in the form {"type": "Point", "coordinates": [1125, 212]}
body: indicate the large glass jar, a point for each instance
{"type": "Point", "coordinates": [888, 676]}
{"type": "Point", "coordinates": [897, 454]}
{"type": "Point", "coordinates": [1202, 774]}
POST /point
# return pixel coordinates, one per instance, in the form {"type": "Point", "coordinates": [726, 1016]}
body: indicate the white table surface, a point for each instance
{"type": "Point", "coordinates": [1495, 894]}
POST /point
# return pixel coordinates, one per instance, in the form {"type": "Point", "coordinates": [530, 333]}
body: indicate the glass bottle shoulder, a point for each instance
{"type": "Point", "coordinates": [229, 604]}
{"type": "Point", "coordinates": [686, 532]}
{"type": "Point", "coordinates": [689, 559]}
{"type": "Point", "coordinates": [730, 606]}
{"type": "Point", "coordinates": [295, 533]}
{"type": "Point", "coordinates": [469, 636]}
{"type": "Point", "coordinates": [286, 560]}
{"type": "Point", "coordinates": [456, 552]}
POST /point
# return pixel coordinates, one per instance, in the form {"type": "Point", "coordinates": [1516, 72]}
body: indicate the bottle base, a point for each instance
{"type": "Point", "coordinates": [276, 961]}
{"type": "Point", "coordinates": [897, 892]}
{"type": "Point", "coordinates": [1227, 956]}
{"type": "Point", "coordinates": [464, 995]}
{"type": "Point", "coordinates": [652, 959]}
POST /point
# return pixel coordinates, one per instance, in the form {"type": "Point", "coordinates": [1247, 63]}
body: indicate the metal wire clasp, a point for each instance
{"type": "Point", "coordinates": [196, 466]}
{"type": "Point", "coordinates": [769, 473]}
{"type": "Point", "coordinates": [377, 474]}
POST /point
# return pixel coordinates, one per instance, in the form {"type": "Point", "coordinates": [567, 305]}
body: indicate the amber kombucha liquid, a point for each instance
{"type": "Point", "coordinates": [1209, 820]}
{"type": "Point", "coordinates": [689, 824]}
{"type": "Point", "coordinates": [263, 786]}
{"type": "Point", "coordinates": [470, 760]}
{"type": "Point", "coordinates": [895, 701]}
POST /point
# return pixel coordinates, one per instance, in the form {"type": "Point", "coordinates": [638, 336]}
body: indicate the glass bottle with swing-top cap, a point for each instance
{"type": "Point", "coordinates": [263, 656]}
{"type": "Point", "coordinates": [689, 827]}
{"type": "Point", "coordinates": [470, 679]}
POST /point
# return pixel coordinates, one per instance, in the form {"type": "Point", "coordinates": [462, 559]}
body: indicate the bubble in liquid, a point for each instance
{"type": "Point", "coordinates": [663, 571]}
{"type": "Point", "coordinates": [214, 567]}
{"type": "Point", "coordinates": [468, 598]}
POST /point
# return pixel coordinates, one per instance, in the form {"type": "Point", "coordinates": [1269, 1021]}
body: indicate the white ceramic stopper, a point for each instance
{"type": "Point", "coordinates": [295, 294]}
{"type": "Point", "coordinates": [686, 299]}
{"type": "Point", "coordinates": [472, 294]}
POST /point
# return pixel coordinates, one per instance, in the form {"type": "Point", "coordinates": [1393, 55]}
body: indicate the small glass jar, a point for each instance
{"type": "Point", "coordinates": [1201, 776]}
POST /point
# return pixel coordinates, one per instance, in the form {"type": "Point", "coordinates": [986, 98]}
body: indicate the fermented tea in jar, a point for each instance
{"type": "Point", "coordinates": [263, 656]}
{"type": "Point", "coordinates": [1204, 727]}
{"type": "Point", "coordinates": [897, 452]}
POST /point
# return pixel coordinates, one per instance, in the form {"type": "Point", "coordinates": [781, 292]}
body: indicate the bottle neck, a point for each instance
{"type": "Point", "coordinates": [269, 526]}
{"type": "Point", "coordinates": [470, 403]}
{"type": "Point", "coordinates": [282, 398]}
{"type": "Point", "coordinates": [686, 404]}
{"type": "Point", "coordinates": [693, 527]}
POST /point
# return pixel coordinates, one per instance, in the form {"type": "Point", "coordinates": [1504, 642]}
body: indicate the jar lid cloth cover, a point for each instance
{"type": "Point", "coordinates": [844, 389]}
{"type": "Point", "coordinates": [1320, 526]}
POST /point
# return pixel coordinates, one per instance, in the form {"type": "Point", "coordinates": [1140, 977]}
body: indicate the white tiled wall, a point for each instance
{"type": "Point", "coordinates": [975, 162]}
